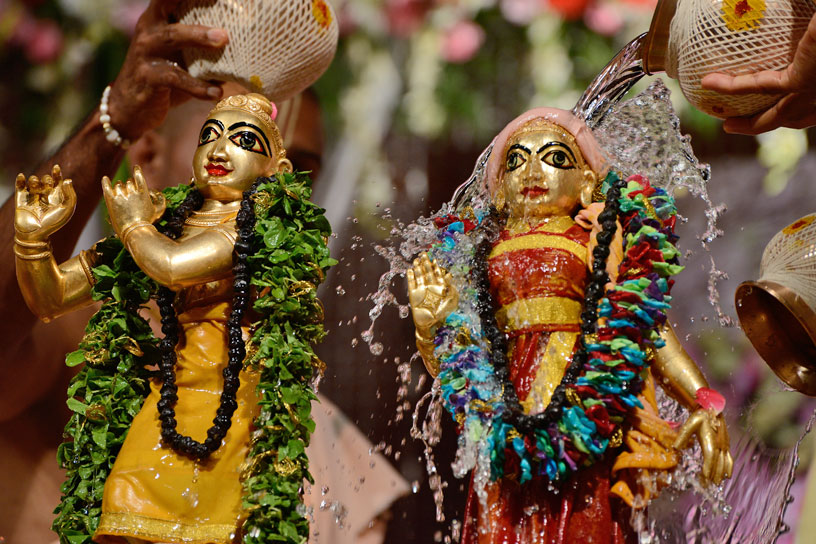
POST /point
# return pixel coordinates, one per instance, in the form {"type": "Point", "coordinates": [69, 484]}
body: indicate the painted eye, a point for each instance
{"type": "Point", "coordinates": [249, 141]}
{"type": "Point", "coordinates": [558, 159]}
{"type": "Point", "coordinates": [208, 134]}
{"type": "Point", "coordinates": [514, 160]}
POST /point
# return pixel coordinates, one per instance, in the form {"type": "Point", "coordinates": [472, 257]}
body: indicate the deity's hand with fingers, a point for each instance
{"type": "Point", "coordinates": [131, 204]}
{"type": "Point", "coordinates": [43, 205]}
{"type": "Point", "coordinates": [432, 297]}
{"type": "Point", "coordinates": [712, 433]}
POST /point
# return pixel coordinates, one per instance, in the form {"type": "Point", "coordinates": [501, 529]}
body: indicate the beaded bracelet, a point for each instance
{"type": "Point", "coordinates": [111, 134]}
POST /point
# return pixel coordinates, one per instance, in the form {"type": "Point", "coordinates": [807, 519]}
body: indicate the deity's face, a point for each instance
{"type": "Point", "coordinates": [233, 151]}
{"type": "Point", "coordinates": [544, 173]}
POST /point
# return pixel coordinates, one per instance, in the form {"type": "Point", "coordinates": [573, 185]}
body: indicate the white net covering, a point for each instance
{"type": "Point", "coordinates": [790, 259]}
{"type": "Point", "coordinates": [733, 37]}
{"type": "Point", "coordinates": [276, 48]}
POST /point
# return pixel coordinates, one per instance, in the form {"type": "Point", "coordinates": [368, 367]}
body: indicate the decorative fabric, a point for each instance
{"type": "Point", "coordinates": [276, 48]}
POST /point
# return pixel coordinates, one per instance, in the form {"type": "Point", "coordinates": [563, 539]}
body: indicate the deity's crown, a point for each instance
{"type": "Point", "coordinates": [261, 108]}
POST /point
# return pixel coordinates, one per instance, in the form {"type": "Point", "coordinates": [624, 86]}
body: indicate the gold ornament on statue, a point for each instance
{"type": "Point", "coordinates": [689, 39]}
{"type": "Point", "coordinates": [276, 48]}
{"type": "Point", "coordinates": [777, 312]}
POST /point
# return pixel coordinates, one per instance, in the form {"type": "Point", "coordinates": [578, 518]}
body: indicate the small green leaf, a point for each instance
{"type": "Point", "coordinates": [75, 358]}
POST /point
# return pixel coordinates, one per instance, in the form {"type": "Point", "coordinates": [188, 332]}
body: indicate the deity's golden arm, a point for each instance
{"type": "Point", "coordinates": [676, 372]}
{"type": "Point", "coordinates": [51, 290]}
{"type": "Point", "coordinates": [178, 264]}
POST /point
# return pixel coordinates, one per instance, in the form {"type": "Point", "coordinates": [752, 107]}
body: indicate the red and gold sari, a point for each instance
{"type": "Point", "coordinates": [538, 280]}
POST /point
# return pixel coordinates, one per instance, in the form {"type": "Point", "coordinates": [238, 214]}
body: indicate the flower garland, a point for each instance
{"type": "Point", "coordinates": [290, 259]}
{"type": "Point", "coordinates": [586, 417]}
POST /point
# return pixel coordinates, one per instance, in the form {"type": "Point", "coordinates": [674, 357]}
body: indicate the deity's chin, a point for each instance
{"type": "Point", "coordinates": [225, 190]}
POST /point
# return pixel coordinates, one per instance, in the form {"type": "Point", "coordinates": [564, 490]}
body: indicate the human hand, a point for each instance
{"type": "Point", "coordinates": [151, 80]}
{"type": "Point", "coordinates": [796, 108]}
{"type": "Point", "coordinates": [712, 434]}
{"type": "Point", "coordinates": [431, 294]}
{"type": "Point", "coordinates": [43, 206]}
{"type": "Point", "coordinates": [132, 203]}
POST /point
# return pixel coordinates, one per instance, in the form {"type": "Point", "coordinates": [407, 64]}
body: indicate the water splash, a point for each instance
{"type": "Point", "coordinates": [611, 84]}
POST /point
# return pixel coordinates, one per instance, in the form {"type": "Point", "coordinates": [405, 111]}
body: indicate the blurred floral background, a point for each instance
{"type": "Point", "coordinates": [418, 89]}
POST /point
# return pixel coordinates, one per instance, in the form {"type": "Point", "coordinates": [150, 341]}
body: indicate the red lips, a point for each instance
{"type": "Point", "coordinates": [534, 191]}
{"type": "Point", "coordinates": [217, 170]}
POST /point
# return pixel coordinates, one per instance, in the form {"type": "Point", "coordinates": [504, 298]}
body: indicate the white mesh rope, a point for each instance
{"type": "Point", "coordinates": [733, 37]}
{"type": "Point", "coordinates": [276, 48]}
{"type": "Point", "coordinates": [790, 259]}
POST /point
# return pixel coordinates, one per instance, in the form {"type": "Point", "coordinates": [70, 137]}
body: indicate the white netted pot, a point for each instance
{"type": "Point", "coordinates": [733, 37]}
{"type": "Point", "coordinates": [277, 47]}
{"type": "Point", "coordinates": [777, 311]}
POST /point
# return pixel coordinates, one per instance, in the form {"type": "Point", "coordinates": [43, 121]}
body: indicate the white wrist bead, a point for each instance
{"type": "Point", "coordinates": [111, 134]}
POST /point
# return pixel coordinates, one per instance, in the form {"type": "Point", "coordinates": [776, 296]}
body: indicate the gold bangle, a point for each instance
{"type": "Point", "coordinates": [85, 263]}
{"type": "Point", "coordinates": [426, 341]}
{"type": "Point", "coordinates": [31, 245]}
{"type": "Point", "coordinates": [130, 228]}
{"type": "Point", "coordinates": [33, 256]}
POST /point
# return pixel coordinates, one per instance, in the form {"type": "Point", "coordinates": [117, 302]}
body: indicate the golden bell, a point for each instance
{"type": "Point", "coordinates": [777, 311]}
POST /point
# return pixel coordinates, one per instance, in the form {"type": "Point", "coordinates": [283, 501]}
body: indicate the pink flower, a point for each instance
{"type": "Point", "coordinates": [603, 19]}
{"type": "Point", "coordinates": [125, 15]}
{"type": "Point", "coordinates": [710, 399]}
{"type": "Point", "coordinates": [461, 41]}
{"type": "Point", "coordinates": [405, 16]}
{"type": "Point", "coordinates": [40, 39]}
{"type": "Point", "coordinates": [521, 12]}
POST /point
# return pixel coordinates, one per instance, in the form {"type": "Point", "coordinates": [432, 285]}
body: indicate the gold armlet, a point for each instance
{"type": "Point", "coordinates": [224, 231]}
{"type": "Point", "coordinates": [33, 245]}
{"type": "Point", "coordinates": [130, 228]}
{"type": "Point", "coordinates": [33, 256]}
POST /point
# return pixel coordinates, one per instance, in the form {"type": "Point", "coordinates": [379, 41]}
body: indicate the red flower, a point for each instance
{"type": "Point", "coordinates": [570, 9]}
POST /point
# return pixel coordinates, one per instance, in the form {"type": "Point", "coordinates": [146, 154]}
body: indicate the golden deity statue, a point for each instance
{"type": "Point", "coordinates": [178, 476]}
{"type": "Point", "coordinates": [543, 175]}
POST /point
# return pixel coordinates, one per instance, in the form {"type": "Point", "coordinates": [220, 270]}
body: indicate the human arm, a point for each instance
{"type": "Point", "coordinates": [796, 108]}
{"type": "Point", "coordinates": [676, 372]}
{"type": "Point", "coordinates": [432, 297]}
{"type": "Point", "coordinates": [174, 264]}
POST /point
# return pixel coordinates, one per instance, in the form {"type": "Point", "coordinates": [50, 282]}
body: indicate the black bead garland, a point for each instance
{"type": "Point", "coordinates": [514, 414]}
{"type": "Point", "coordinates": [245, 225]}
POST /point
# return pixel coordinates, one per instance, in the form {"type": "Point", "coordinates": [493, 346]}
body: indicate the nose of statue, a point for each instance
{"type": "Point", "coordinates": [219, 150]}
{"type": "Point", "coordinates": [536, 171]}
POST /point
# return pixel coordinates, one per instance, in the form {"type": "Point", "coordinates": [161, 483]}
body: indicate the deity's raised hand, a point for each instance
{"type": "Point", "coordinates": [132, 203]}
{"type": "Point", "coordinates": [43, 206]}
{"type": "Point", "coordinates": [431, 294]}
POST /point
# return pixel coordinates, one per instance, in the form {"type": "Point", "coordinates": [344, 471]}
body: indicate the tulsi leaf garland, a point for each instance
{"type": "Point", "coordinates": [289, 261]}
{"type": "Point", "coordinates": [599, 393]}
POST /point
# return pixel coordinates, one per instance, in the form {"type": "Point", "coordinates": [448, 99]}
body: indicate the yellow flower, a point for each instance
{"type": "Point", "coordinates": [322, 13]}
{"type": "Point", "coordinates": [742, 15]}
{"type": "Point", "coordinates": [798, 225]}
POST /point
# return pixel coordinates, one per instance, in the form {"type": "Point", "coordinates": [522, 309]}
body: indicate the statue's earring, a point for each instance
{"type": "Point", "coordinates": [588, 192]}
{"type": "Point", "coordinates": [285, 165]}
{"type": "Point", "coordinates": [498, 200]}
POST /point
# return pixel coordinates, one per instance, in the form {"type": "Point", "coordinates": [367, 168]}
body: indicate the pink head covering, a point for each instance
{"type": "Point", "coordinates": [586, 141]}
